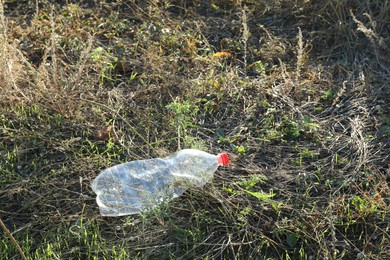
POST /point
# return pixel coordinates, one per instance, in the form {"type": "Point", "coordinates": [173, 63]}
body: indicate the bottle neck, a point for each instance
{"type": "Point", "coordinates": [223, 158]}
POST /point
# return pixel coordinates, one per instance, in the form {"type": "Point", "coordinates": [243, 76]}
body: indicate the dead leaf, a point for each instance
{"type": "Point", "coordinates": [223, 54]}
{"type": "Point", "coordinates": [105, 134]}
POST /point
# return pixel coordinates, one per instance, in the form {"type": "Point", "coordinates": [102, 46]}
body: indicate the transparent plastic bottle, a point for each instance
{"type": "Point", "coordinates": [133, 187]}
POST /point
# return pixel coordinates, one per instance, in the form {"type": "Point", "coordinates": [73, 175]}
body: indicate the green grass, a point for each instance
{"type": "Point", "coordinates": [295, 91]}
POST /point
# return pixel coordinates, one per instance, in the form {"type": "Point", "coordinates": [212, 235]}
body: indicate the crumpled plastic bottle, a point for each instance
{"type": "Point", "coordinates": [136, 186]}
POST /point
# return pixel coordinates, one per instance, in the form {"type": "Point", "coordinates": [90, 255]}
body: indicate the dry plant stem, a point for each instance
{"type": "Point", "coordinates": [16, 244]}
{"type": "Point", "coordinates": [178, 138]}
{"type": "Point", "coordinates": [300, 52]}
{"type": "Point", "coordinates": [53, 47]}
{"type": "Point", "coordinates": [332, 231]}
{"type": "Point", "coordinates": [245, 35]}
{"type": "Point", "coordinates": [3, 28]}
{"type": "Point", "coordinates": [375, 39]}
{"type": "Point", "coordinates": [8, 50]}
{"type": "Point", "coordinates": [82, 62]}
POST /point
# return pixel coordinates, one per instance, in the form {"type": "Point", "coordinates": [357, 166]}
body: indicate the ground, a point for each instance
{"type": "Point", "coordinates": [296, 92]}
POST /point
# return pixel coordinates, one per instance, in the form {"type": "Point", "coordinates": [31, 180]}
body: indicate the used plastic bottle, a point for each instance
{"type": "Point", "coordinates": [136, 186]}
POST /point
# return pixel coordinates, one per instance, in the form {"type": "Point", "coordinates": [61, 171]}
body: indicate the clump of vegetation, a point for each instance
{"type": "Point", "coordinates": [296, 92]}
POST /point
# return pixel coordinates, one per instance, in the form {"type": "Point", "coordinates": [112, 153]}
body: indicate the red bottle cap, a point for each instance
{"type": "Point", "coordinates": [223, 159]}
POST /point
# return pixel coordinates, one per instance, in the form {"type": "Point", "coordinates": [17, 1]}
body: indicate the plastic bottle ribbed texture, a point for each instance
{"type": "Point", "coordinates": [132, 187]}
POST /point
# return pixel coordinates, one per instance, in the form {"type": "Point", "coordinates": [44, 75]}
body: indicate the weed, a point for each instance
{"type": "Point", "coordinates": [183, 114]}
{"type": "Point", "coordinates": [107, 61]}
{"type": "Point", "coordinates": [252, 181]}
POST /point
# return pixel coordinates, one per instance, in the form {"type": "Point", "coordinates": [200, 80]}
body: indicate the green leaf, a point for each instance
{"type": "Point", "coordinates": [230, 191]}
{"type": "Point", "coordinates": [292, 240]}
{"type": "Point", "coordinates": [241, 149]}
{"type": "Point", "coordinates": [261, 195]}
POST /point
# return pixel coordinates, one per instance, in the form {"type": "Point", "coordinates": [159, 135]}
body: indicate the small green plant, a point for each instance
{"type": "Point", "coordinates": [362, 205]}
{"type": "Point", "coordinates": [58, 118]}
{"type": "Point", "coordinates": [328, 95]}
{"type": "Point", "coordinates": [182, 117]}
{"type": "Point", "coordinates": [304, 154]}
{"type": "Point", "coordinates": [340, 160]}
{"type": "Point", "coordinates": [195, 142]}
{"type": "Point", "coordinates": [248, 184]}
{"type": "Point", "coordinates": [230, 190]}
{"type": "Point", "coordinates": [133, 75]}
{"type": "Point", "coordinates": [240, 149]}
{"type": "Point", "coordinates": [287, 127]}
{"type": "Point", "coordinates": [107, 61]}
{"type": "Point", "coordinates": [259, 67]}
{"type": "Point", "coordinates": [263, 196]}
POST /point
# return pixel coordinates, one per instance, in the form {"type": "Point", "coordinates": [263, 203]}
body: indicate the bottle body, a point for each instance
{"type": "Point", "coordinates": [132, 187]}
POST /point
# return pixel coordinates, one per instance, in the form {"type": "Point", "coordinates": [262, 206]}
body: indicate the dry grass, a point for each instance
{"type": "Point", "coordinates": [297, 95]}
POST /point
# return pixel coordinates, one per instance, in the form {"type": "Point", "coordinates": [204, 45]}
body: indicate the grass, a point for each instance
{"type": "Point", "coordinates": [296, 92]}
